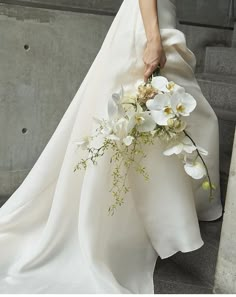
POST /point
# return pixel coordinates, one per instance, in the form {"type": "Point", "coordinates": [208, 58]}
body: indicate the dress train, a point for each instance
{"type": "Point", "coordinates": [55, 234]}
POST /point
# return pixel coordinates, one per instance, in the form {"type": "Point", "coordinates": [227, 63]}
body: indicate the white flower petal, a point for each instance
{"type": "Point", "coordinates": [189, 103]}
{"type": "Point", "coordinates": [195, 170]}
{"type": "Point", "coordinates": [202, 151]}
{"type": "Point", "coordinates": [177, 149]}
{"type": "Point", "coordinates": [139, 108]}
{"type": "Point", "coordinates": [158, 102]}
{"type": "Point", "coordinates": [112, 137]}
{"type": "Point", "coordinates": [160, 83]}
{"type": "Point", "coordinates": [189, 148]}
{"type": "Point", "coordinates": [128, 140]}
{"type": "Point", "coordinates": [160, 117]}
{"type": "Point", "coordinates": [106, 130]}
{"type": "Point", "coordinates": [148, 124]}
{"type": "Point", "coordinates": [182, 103]}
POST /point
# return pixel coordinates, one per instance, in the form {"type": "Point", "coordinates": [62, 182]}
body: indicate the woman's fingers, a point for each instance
{"type": "Point", "coordinates": [163, 61]}
{"type": "Point", "coordinates": [153, 57]}
{"type": "Point", "coordinates": [149, 69]}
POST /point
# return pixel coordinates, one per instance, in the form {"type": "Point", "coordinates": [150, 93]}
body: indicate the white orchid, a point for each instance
{"type": "Point", "coordinates": [163, 85]}
{"type": "Point", "coordinates": [161, 110]}
{"type": "Point", "coordinates": [185, 145]}
{"type": "Point", "coordinates": [142, 120]}
{"type": "Point", "coordinates": [121, 131]}
{"type": "Point", "coordinates": [196, 170]}
{"type": "Point", "coordinates": [182, 103]}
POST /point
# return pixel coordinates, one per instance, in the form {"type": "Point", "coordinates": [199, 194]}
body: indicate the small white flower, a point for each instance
{"type": "Point", "coordinates": [196, 170]}
{"type": "Point", "coordinates": [84, 142]}
{"type": "Point", "coordinates": [128, 140]}
{"type": "Point", "coordinates": [161, 110]}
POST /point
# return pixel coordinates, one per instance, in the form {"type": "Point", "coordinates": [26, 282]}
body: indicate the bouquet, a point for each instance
{"type": "Point", "coordinates": [156, 109]}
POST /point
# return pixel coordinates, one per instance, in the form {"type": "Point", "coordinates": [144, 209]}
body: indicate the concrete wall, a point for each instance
{"type": "Point", "coordinates": [96, 6]}
{"type": "Point", "coordinates": [207, 12]}
{"type": "Point", "coordinates": [225, 277]}
{"type": "Point", "coordinates": [44, 56]}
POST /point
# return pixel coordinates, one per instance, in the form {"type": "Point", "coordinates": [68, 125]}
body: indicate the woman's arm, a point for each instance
{"type": "Point", "coordinates": [154, 54]}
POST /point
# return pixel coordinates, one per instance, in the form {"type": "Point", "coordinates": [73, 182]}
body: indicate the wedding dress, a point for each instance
{"type": "Point", "coordinates": [55, 234]}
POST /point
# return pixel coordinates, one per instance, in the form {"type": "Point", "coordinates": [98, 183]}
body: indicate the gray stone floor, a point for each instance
{"type": "Point", "coordinates": [193, 272]}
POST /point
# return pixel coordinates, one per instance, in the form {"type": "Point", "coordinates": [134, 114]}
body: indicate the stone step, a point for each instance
{"type": "Point", "coordinates": [220, 91]}
{"type": "Point", "coordinates": [220, 60]}
{"type": "Point", "coordinates": [210, 13]}
{"type": "Point", "coordinates": [209, 36]}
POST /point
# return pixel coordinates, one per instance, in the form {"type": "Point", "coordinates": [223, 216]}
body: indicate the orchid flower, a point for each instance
{"type": "Point", "coordinates": [142, 120]}
{"type": "Point", "coordinates": [196, 170]}
{"type": "Point", "coordinates": [182, 103]}
{"type": "Point", "coordinates": [185, 145]}
{"type": "Point", "coordinates": [163, 85]}
{"type": "Point", "coordinates": [161, 110]}
{"type": "Point", "coordinates": [120, 131]}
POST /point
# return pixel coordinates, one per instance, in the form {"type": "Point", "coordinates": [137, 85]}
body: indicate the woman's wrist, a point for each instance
{"type": "Point", "coordinates": [153, 33]}
{"type": "Point", "coordinates": [154, 37]}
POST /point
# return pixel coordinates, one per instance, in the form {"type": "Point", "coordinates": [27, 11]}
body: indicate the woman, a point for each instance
{"type": "Point", "coordinates": [55, 234]}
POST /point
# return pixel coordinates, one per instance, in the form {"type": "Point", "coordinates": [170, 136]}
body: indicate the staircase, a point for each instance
{"type": "Point", "coordinates": [218, 83]}
{"type": "Point", "coordinates": [194, 272]}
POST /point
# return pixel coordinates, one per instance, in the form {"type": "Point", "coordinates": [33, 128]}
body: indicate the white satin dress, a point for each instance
{"type": "Point", "coordinates": [55, 234]}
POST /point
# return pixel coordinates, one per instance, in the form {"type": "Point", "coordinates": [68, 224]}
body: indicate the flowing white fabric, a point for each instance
{"type": "Point", "coordinates": [55, 234]}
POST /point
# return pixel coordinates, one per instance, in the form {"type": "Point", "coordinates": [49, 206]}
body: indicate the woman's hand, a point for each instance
{"type": "Point", "coordinates": [153, 57]}
{"type": "Point", "coordinates": [154, 54]}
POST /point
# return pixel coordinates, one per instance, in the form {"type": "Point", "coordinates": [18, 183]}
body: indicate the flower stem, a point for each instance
{"type": "Point", "coordinates": [204, 163]}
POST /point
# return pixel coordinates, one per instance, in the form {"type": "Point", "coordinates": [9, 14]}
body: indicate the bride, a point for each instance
{"type": "Point", "coordinates": [55, 234]}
